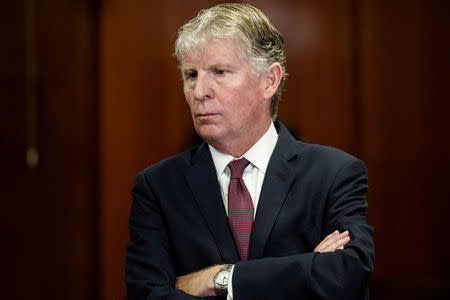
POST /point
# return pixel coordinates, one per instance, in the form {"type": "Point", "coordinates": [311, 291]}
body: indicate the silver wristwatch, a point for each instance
{"type": "Point", "coordinates": [221, 280]}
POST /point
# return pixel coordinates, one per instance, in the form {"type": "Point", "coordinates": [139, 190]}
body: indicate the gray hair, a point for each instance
{"type": "Point", "coordinates": [261, 43]}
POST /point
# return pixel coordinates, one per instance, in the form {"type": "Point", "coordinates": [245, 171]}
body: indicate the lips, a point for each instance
{"type": "Point", "coordinates": [205, 115]}
{"type": "Point", "coordinates": [206, 118]}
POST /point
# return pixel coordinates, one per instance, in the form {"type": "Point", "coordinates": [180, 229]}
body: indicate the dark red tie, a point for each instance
{"type": "Point", "coordinates": [240, 207]}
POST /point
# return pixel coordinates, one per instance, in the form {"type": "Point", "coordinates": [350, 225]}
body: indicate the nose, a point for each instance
{"type": "Point", "coordinates": [202, 87]}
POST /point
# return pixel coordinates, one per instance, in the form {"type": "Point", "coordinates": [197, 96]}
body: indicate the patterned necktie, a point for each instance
{"type": "Point", "coordinates": [240, 207]}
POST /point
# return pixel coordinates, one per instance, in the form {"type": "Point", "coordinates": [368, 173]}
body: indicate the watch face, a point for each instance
{"type": "Point", "coordinates": [222, 278]}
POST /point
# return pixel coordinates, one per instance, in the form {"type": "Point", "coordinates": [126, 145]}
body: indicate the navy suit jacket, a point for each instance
{"type": "Point", "coordinates": [178, 225]}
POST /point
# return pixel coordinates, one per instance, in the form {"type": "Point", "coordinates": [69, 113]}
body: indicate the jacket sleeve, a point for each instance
{"type": "Point", "coordinates": [149, 271]}
{"type": "Point", "coordinates": [342, 274]}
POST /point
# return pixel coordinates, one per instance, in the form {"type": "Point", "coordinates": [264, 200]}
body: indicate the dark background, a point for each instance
{"type": "Point", "coordinates": [94, 88]}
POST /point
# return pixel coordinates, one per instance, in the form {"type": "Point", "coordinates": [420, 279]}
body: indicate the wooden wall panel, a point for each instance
{"type": "Point", "coordinates": [51, 224]}
{"type": "Point", "coordinates": [406, 144]}
{"type": "Point", "coordinates": [66, 209]}
{"type": "Point", "coordinates": [12, 146]}
{"type": "Point", "coordinates": [370, 77]}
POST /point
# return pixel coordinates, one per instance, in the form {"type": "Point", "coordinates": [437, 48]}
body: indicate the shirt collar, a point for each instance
{"type": "Point", "coordinates": [258, 155]}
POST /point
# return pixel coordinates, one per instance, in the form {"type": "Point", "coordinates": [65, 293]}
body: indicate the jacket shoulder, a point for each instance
{"type": "Point", "coordinates": [171, 164]}
{"type": "Point", "coordinates": [326, 152]}
{"type": "Point", "coordinates": [326, 158]}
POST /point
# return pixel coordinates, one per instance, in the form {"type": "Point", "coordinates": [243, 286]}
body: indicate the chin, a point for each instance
{"type": "Point", "coordinates": [208, 135]}
{"type": "Point", "coordinates": [208, 131]}
{"type": "Point", "coordinates": [208, 138]}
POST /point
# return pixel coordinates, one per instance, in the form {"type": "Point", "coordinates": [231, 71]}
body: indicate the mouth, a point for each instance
{"type": "Point", "coordinates": [205, 115]}
{"type": "Point", "coordinates": [206, 118]}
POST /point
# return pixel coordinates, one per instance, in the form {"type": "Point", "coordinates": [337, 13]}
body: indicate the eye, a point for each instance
{"type": "Point", "coordinates": [190, 74]}
{"type": "Point", "coordinates": [220, 71]}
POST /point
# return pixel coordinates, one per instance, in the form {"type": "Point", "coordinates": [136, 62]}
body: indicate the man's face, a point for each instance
{"type": "Point", "coordinates": [225, 97]}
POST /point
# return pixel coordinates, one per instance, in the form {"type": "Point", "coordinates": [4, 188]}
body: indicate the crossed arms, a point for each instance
{"type": "Point", "coordinates": [201, 283]}
{"type": "Point", "coordinates": [327, 272]}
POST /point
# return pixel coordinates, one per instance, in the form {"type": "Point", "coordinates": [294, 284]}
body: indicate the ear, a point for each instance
{"type": "Point", "coordinates": [273, 79]}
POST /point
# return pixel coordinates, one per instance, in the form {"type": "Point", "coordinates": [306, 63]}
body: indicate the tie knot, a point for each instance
{"type": "Point", "coordinates": [237, 167]}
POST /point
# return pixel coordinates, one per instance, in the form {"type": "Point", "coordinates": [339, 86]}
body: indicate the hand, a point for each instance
{"type": "Point", "coordinates": [200, 283]}
{"type": "Point", "coordinates": [333, 241]}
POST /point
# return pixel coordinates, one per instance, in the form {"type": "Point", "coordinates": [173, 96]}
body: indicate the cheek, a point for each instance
{"type": "Point", "coordinates": [186, 92]}
{"type": "Point", "coordinates": [188, 97]}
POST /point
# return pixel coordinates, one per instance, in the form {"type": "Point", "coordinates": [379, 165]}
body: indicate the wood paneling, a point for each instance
{"type": "Point", "coordinates": [406, 141]}
{"type": "Point", "coordinates": [12, 145]}
{"type": "Point", "coordinates": [52, 224]}
{"type": "Point", "coordinates": [369, 77]}
{"type": "Point", "coordinates": [66, 210]}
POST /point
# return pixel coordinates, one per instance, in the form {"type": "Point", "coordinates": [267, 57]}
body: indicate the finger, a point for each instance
{"type": "Point", "coordinates": [333, 242]}
{"type": "Point", "coordinates": [337, 244]}
{"type": "Point", "coordinates": [326, 241]}
{"type": "Point", "coordinates": [331, 239]}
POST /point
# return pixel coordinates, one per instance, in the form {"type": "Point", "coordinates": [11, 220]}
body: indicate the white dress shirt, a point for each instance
{"type": "Point", "coordinates": [258, 156]}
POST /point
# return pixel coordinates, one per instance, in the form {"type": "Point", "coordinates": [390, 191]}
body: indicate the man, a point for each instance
{"type": "Point", "coordinates": [252, 213]}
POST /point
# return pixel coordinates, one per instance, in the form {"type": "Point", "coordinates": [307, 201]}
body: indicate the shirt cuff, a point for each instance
{"type": "Point", "coordinates": [230, 285]}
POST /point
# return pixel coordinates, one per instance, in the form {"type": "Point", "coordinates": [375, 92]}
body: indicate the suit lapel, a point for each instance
{"type": "Point", "coordinates": [202, 179]}
{"type": "Point", "coordinates": [277, 181]}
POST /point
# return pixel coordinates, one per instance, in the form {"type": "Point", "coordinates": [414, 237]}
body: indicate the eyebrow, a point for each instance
{"type": "Point", "coordinates": [220, 66]}
{"type": "Point", "coordinates": [186, 68]}
{"type": "Point", "coordinates": [213, 66]}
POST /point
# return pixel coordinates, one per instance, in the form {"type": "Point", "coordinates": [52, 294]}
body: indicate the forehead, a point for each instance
{"type": "Point", "coordinates": [214, 51]}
